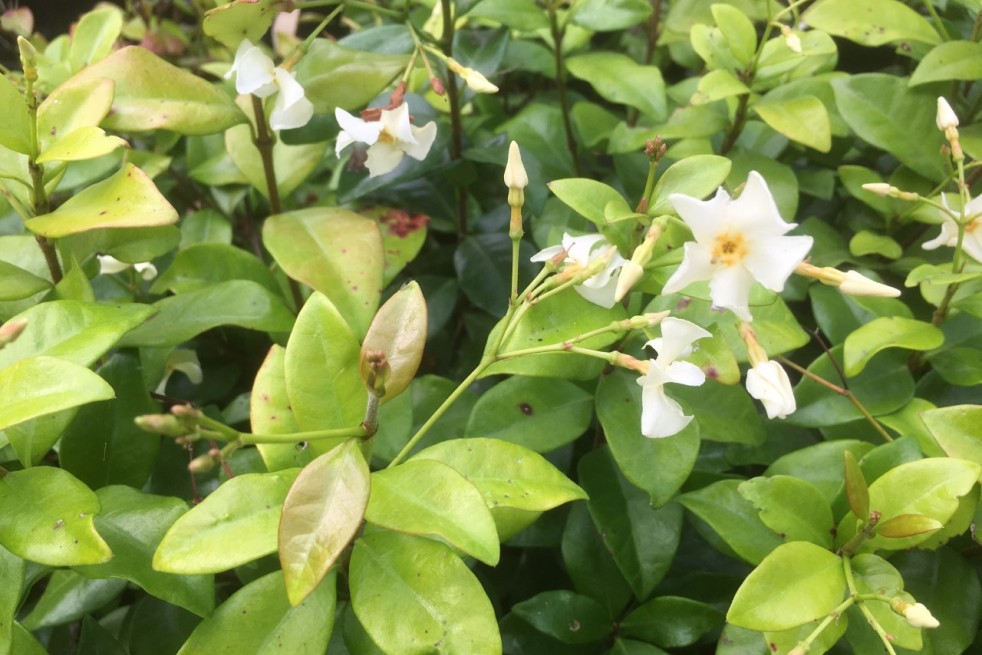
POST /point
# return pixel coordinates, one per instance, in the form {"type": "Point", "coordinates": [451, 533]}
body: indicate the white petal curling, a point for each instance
{"type": "Point", "coordinates": [546, 254]}
{"type": "Point", "coordinates": [255, 74]}
{"type": "Point", "coordinates": [146, 270]}
{"type": "Point", "coordinates": [947, 237]}
{"type": "Point", "coordinates": [109, 265]}
{"type": "Point", "coordinates": [730, 289]}
{"type": "Point", "coordinates": [686, 373]}
{"type": "Point", "coordinates": [244, 47]}
{"type": "Point", "coordinates": [677, 339]}
{"type": "Point", "coordinates": [768, 382]}
{"type": "Point", "coordinates": [383, 158]}
{"type": "Point", "coordinates": [424, 138]}
{"type": "Point", "coordinates": [396, 123]}
{"type": "Point", "coordinates": [696, 266]}
{"type": "Point", "coordinates": [291, 109]}
{"type": "Point", "coordinates": [660, 415]}
{"type": "Point", "coordinates": [602, 296]}
{"type": "Point", "coordinates": [355, 130]}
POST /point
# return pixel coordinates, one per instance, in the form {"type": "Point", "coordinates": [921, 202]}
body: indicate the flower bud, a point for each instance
{"type": "Point", "coordinates": [202, 464]}
{"type": "Point", "coordinates": [792, 40]}
{"type": "Point", "coordinates": [375, 372]}
{"type": "Point", "coordinates": [474, 80]}
{"type": "Point", "coordinates": [920, 616]}
{"type": "Point", "coordinates": [28, 59]}
{"type": "Point", "coordinates": [880, 188]}
{"type": "Point", "coordinates": [946, 117]}
{"type": "Point", "coordinates": [768, 382]}
{"type": "Point", "coordinates": [515, 175]}
{"type": "Point", "coordinates": [630, 274]}
{"type": "Point", "coordinates": [857, 284]}
{"type": "Point", "coordinates": [165, 424]}
{"type": "Point", "coordinates": [10, 330]}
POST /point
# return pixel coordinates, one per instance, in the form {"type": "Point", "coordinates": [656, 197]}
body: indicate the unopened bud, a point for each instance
{"type": "Point", "coordinates": [880, 188]}
{"type": "Point", "coordinates": [946, 117]}
{"type": "Point", "coordinates": [375, 372]}
{"type": "Point", "coordinates": [917, 614]}
{"type": "Point", "coordinates": [857, 284]}
{"type": "Point", "coordinates": [437, 85]}
{"type": "Point", "coordinates": [630, 274]}
{"type": "Point", "coordinates": [10, 330]}
{"type": "Point", "coordinates": [631, 363]}
{"type": "Point", "coordinates": [28, 59]}
{"type": "Point", "coordinates": [515, 176]}
{"type": "Point", "coordinates": [187, 412]}
{"type": "Point", "coordinates": [165, 424]}
{"type": "Point", "coordinates": [792, 40]}
{"type": "Point", "coordinates": [201, 464]}
{"type": "Point", "coordinates": [474, 80]}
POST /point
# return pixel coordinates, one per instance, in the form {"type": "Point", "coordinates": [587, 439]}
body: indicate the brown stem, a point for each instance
{"type": "Point", "coordinates": [739, 118]}
{"type": "Point", "coordinates": [557, 38]}
{"type": "Point", "coordinates": [652, 31]}
{"type": "Point", "coordinates": [456, 127]}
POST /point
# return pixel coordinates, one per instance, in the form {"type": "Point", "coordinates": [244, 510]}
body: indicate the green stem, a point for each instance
{"type": "Point", "coordinates": [937, 20]}
{"type": "Point", "coordinates": [649, 187]}
{"type": "Point", "coordinates": [834, 615]}
{"type": "Point", "coordinates": [223, 432]}
{"type": "Point", "coordinates": [317, 30]}
{"type": "Point", "coordinates": [456, 125]}
{"type": "Point", "coordinates": [516, 243]}
{"type": "Point", "coordinates": [39, 195]}
{"type": "Point", "coordinates": [557, 40]}
{"type": "Point", "coordinates": [354, 4]}
{"type": "Point", "coordinates": [851, 582]}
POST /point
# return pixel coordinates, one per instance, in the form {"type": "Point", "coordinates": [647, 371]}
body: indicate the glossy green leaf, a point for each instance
{"type": "Point", "coordinates": [792, 508]}
{"type": "Point", "coordinates": [152, 94]}
{"type": "Point", "coordinates": [127, 199]}
{"type": "Point", "coordinates": [956, 430]}
{"type": "Point", "coordinates": [321, 367]}
{"type": "Point", "coordinates": [569, 617]}
{"type": "Point", "coordinates": [237, 302]}
{"type": "Point", "coordinates": [907, 525]}
{"type": "Point", "coordinates": [951, 60]}
{"type": "Point", "coordinates": [586, 197]}
{"type": "Point", "coordinates": [259, 620]}
{"type": "Point", "coordinates": [270, 413]}
{"type": "Point", "coordinates": [671, 621]}
{"type": "Point", "coordinates": [12, 570]}
{"type": "Point", "coordinates": [523, 15]}
{"type": "Point", "coordinates": [734, 519]}
{"type": "Point", "coordinates": [234, 21]}
{"type": "Point", "coordinates": [15, 131]}
{"type": "Point", "coordinates": [403, 236]}
{"type": "Point", "coordinates": [507, 474]}
{"type": "Point", "coordinates": [928, 487]}
{"type": "Point", "coordinates": [73, 106]}
{"type": "Point", "coordinates": [413, 595]}
{"type": "Point", "coordinates": [94, 36]}
{"type": "Point", "coordinates": [717, 85]}
{"type": "Point", "coordinates": [797, 583]}
{"type": "Point", "coordinates": [102, 445]}
{"type": "Point", "coordinates": [738, 31]}
{"type": "Point", "coordinates": [784, 641]}
{"type": "Point", "coordinates": [539, 413]}
{"type": "Point", "coordinates": [38, 386]}
{"type": "Point", "coordinates": [46, 517]}
{"type": "Point", "coordinates": [93, 638]}
{"type": "Point", "coordinates": [618, 78]}
{"type": "Point", "coordinates": [335, 76]}
{"type": "Point", "coordinates": [641, 539]}
{"type": "Point", "coordinates": [803, 119]}
{"type": "Point", "coordinates": [865, 242]}
{"type": "Point", "coordinates": [857, 491]}
{"type": "Point", "coordinates": [321, 515]}
{"type": "Point", "coordinates": [83, 143]}
{"type": "Point", "coordinates": [16, 283]}
{"type": "Point", "coordinates": [483, 266]}
{"type": "Point", "coordinates": [235, 524]}
{"type": "Point", "coordinates": [873, 574]}
{"type": "Point", "coordinates": [334, 251]}
{"type": "Point", "coordinates": [696, 176]}
{"type": "Point", "coordinates": [202, 264]}
{"type": "Point", "coordinates": [590, 564]}
{"type": "Point", "coordinates": [398, 331]}
{"type": "Point", "coordinates": [870, 22]}
{"type": "Point", "coordinates": [888, 332]}
{"type": "Point", "coordinates": [606, 15]}
{"type": "Point", "coordinates": [133, 523]}
{"type": "Point", "coordinates": [293, 163]}
{"type": "Point", "coordinates": [428, 498]}
{"type": "Point", "coordinates": [68, 597]}
{"type": "Point", "coordinates": [658, 466]}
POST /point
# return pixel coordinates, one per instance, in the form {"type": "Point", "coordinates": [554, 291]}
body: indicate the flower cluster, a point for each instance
{"type": "Point", "coordinates": [389, 137]}
{"type": "Point", "coordinates": [255, 73]}
{"type": "Point", "coordinates": [584, 253]}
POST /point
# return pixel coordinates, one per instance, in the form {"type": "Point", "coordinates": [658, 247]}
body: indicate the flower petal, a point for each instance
{"type": "Point", "coordinates": [677, 337]}
{"type": "Point", "coordinates": [356, 129]}
{"type": "Point", "coordinates": [383, 158]}
{"type": "Point", "coordinates": [396, 123]}
{"type": "Point", "coordinates": [292, 109]}
{"type": "Point", "coordinates": [686, 373]}
{"type": "Point", "coordinates": [772, 260]}
{"type": "Point", "coordinates": [660, 415]}
{"type": "Point", "coordinates": [696, 266]}
{"type": "Point", "coordinates": [244, 47]}
{"type": "Point", "coordinates": [755, 212]}
{"type": "Point", "coordinates": [730, 289]}
{"type": "Point", "coordinates": [768, 382]}
{"type": "Point", "coordinates": [972, 244]}
{"type": "Point", "coordinates": [255, 74]}
{"type": "Point", "coordinates": [602, 296]}
{"type": "Point", "coordinates": [546, 254]}
{"type": "Point", "coordinates": [702, 216]}
{"type": "Point", "coordinates": [423, 140]}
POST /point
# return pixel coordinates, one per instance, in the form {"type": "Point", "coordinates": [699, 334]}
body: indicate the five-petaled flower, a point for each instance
{"type": "Point", "coordinates": [584, 252]}
{"type": "Point", "coordinates": [736, 242]}
{"type": "Point", "coordinates": [660, 415]}
{"type": "Point", "coordinates": [972, 241]}
{"type": "Point", "coordinates": [255, 73]}
{"type": "Point", "coordinates": [389, 138]}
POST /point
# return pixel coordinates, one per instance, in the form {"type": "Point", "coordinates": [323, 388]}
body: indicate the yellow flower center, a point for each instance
{"type": "Point", "coordinates": [729, 249]}
{"type": "Point", "coordinates": [972, 226]}
{"type": "Point", "coordinates": [385, 137]}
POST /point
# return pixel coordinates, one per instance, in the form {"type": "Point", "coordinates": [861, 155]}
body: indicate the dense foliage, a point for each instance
{"type": "Point", "coordinates": [618, 327]}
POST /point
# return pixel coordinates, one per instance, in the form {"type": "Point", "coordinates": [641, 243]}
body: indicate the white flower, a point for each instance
{"type": "Point", "coordinates": [582, 252]}
{"type": "Point", "coordinates": [109, 265]}
{"type": "Point", "coordinates": [183, 360]}
{"type": "Point", "coordinates": [857, 284]}
{"type": "Point", "coordinates": [474, 79]}
{"type": "Point", "coordinates": [972, 243]}
{"type": "Point", "coordinates": [768, 382]}
{"type": "Point", "coordinates": [255, 73]}
{"type": "Point", "coordinates": [946, 116]}
{"type": "Point", "coordinates": [920, 616]}
{"type": "Point", "coordinates": [389, 138]}
{"type": "Point", "coordinates": [736, 242]}
{"type": "Point", "coordinates": [660, 415]}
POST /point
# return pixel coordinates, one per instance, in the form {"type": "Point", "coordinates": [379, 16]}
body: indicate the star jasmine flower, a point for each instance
{"type": "Point", "coordinates": [583, 252]}
{"type": "Point", "coordinates": [768, 382]}
{"type": "Point", "coordinates": [660, 415]}
{"type": "Point", "coordinates": [389, 138]}
{"type": "Point", "coordinates": [736, 242]}
{"type": "Point", "coordinates": [972, 242]}
{"type": "Point", "coordinates": [109, 265]}
{"type": "Point", "coordinates": [255, 73]}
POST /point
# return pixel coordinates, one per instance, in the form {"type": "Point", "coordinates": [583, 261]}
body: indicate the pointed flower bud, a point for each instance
{"type": "Point", "coordinates": [920, 616]}
{"type": "Point", "coordinates": [880, 188]}
{"type": "Point", "coordinates": [792, 40]}
{"type": "Point", "coordinates": [10, 330]}
{"type": "Point", "coordinates": [631, 273]}
{"type": "Point", "coordinates": [202, 464]}
{"type": "Point", "coordinates": [515, 175]}
{"type": "Point", "coordinates": [857, 284]}
{"type": "Point", "coordinates": [946, 117]}
{"type": "Point", "coordinates": [474, 80]}
{"type": "Point", "coordinates": [28, 59]}
{"type": "Point", "coordinates": [768, 382]}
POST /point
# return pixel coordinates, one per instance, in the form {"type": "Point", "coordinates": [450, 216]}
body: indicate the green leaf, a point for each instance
{"type": "Point", "coordinates": [618, 405]}
{"type": "Point", "coordinates": [541, 414]}
{"type": "Point", "coordinates": [236, 302]}
{"type": "Point", "coordinates": [928, 487]}
{"type": "Point", "coordinates": [38, 386]}
{"type": "Point", "coordinates": [803, 119]}
{"type": "Point", "coordinates": [717, 85]}
{"type": "Point", "coordinates": [83, 143]}
{"type": "Point", "coordinates": [618, 78]}
{"type": "Point", "coordinates": [792, 508]}
{"type": "Point", "coordinates": [870, 22]}
{"type": "Point", "coordinates": [569, 617]}
{"type": "Point", "coordinates": [399, 592]}
{"type": "Point", "coordinates": [428, 498]}
{"type": "Point", "coordinates": [857, 491]}
{"type": "Point", "coordinates": [483, 266]}
{"type": "Point", "coordinates": [321, 366]}
{"type": "Point", "coordinates": [15, 130]}
{"type": "Point", "coordinates": [334, 251]}
{"type": "Point", "coordinates": [723, 412]}
{"type": "Point", "coordinates": [46, 517]}
{"type": "Point", "coordinates": [907, 525]}
{"type": "Point", "coordinates": [270, 413]}
{"type": "Point", "coordinates": [321, 515]}
{"type": "Point", "coordinates": [258, 619]}
{"type": "Point", "coordinates": [734, 519]}
{"type": "Point", "coordinates": [951, 60]}
{"type": "Point", "coordinates": [72, 106]}
{"type": "Point", "coordinates": [956, 429]}
{"type": "Point", "coordinates": [605, 15]}
{"type": "Point", "coordinates": [671, 621]}
{"type": "Point", "coordinates": [152, 94]}
{"type": "Point", "coordinates": [16, 283]}
{"type": "Point", "coordinates": [865, 242]}
{"type": "Point", "coordinates": [132, 523]}
{"type": "Point", "coordinates": [696, 176]}
{"type": "Point", "coordinates": [127, 199]}
{"type": "Point", "coordinates": [641, 539]}
{"type": "Point", "coordinates": [589, 563]}
{"type": "Point", "coordinates": [586, 197]}
{"type": "Point", "coordinates": [507, 474]}
{"type": "Point", "coordinates": [524, 15]}
{"type": "Point", "coordinates": [403, 236]}
{"type": "Point", "coordinates": [68, 597]}
{"type": "Point", "coordinates": [738, 31]}
{"type": "Point", "coordinates": [201, 265]}
{"type": "Point", "coordinates": [797, 583]}
{"type": "Point", "coordinates": [94, 36]}
{"type": "Point", "coordinates": [335, 76]}
{"type": "Point", "coordinates": [884, 112]}
{"type": "Point", "coordinates": [12, 570]}
{"type": "Point", "coordinates": [235, 524]}
{"type": "Point", "coordinates": [873, 574]}
{"type": "Point", "coordinates": [234, 21]}
{"type": "Point", "coordinates": [398, 331]}
{"type": "Point", "coordinates": [293, 163]}
{"type": "Point", "coordinates": [888, 332]}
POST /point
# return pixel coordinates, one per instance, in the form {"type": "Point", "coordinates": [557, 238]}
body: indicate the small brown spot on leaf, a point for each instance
{"type": "Point", "coordinates": [525, 409]}
{"type": "Point", "coordinates": [58, 524]}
